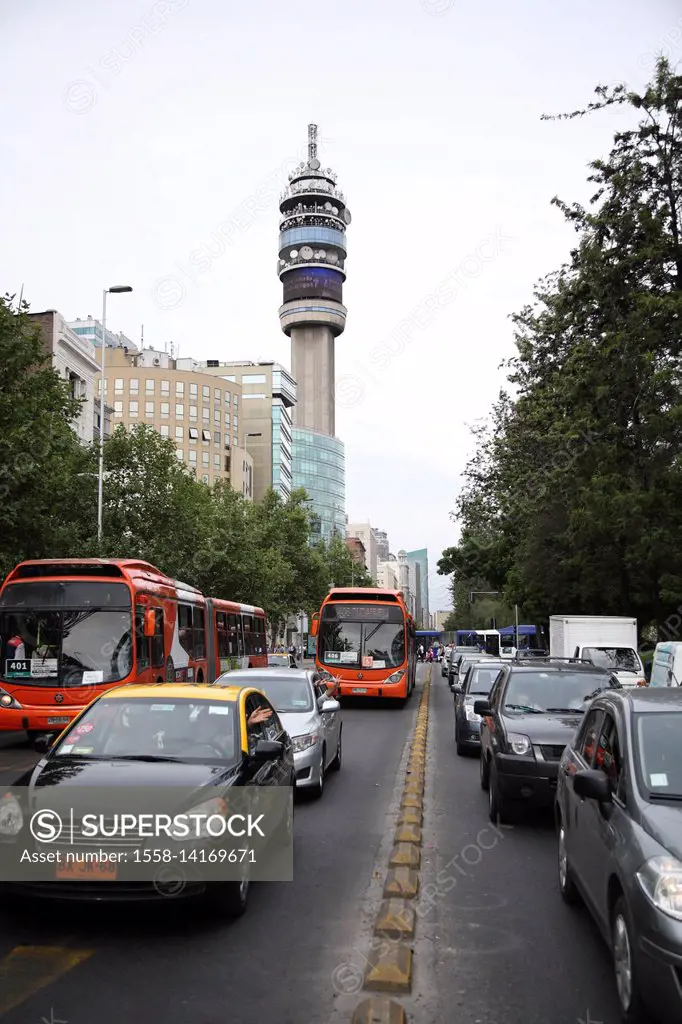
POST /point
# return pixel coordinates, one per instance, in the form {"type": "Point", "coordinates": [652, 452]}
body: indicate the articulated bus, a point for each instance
{"type": "Point", "coordinates": [71, 629]}
{"type": "Point", "coordinates": [366, 643]}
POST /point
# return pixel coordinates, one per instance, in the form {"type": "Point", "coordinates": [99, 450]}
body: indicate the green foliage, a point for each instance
{"type": "Point", "coordinates": [573, 501]}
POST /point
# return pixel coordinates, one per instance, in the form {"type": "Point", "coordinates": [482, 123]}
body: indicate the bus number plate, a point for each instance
{"type": "Point", "coordinates": [359, 689]}
{"type": "Point", "coordinates": [60, 720]}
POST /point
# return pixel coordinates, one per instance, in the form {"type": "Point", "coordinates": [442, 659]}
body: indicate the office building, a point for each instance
{"type": "Point", "coordinates": [268, 394]}
{"type": "Point", "coordinates": [75, 359]}
{"type": "Point", "coordinates": [420, 560]}
{"type": "Point", "coordinates": [311, 267]}
{"type": "Point", "coordinates": [90, 329]}
{"type": "Point", "coordinates": [366, 533]}
{"type": "Point", "coordinates": [201, 415]}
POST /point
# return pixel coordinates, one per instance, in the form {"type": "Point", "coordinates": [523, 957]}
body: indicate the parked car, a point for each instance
{"type": "Point", "coordinates": [281, 661]}
{"type": "Point", "coordinates": [477, 682]}
{"type": "Point", "coordinates": [463, 663]}
{"type": "Point", "coordinates": [198, 738]}
{"type": "Point", "coordinates": [532, 713]}
{"type": "Point", "coordinates": [619, 822]}
{"type": "Point", "coordinates": [312, 719]}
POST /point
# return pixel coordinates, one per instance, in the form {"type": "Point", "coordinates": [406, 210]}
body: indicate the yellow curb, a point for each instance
{"type": "Point", "coordinates": [411, 816]}
{"type": "Point", "coordinates": [405, 855]}
{"type": "Point", "coordinates": [408, 834]}
{"type": "Point", "coordinates": [390, 970]}
{"type": "Point", "coordinates": [402, 883]}
{"type": "Point", "coordinates": [414, 784]}
{"type": "Point", "coordinates": [396, 920]}
{"type": "Point", "coordinates": [379, 1010]}
{"type": "Point", "coordinates": [415, 775]}
{"type": "Point", "coordinates": [412, 801]}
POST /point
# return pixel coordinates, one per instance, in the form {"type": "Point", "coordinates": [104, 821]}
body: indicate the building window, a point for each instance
{"type": "Point", "coordinates": [179, 411]}
{"type": "Point", "coordinates": [253, 378]}
{"type": "Point", "coordinates": [227, 419]}
{"type": "Point", "coordinates": [236, 442]}
{"type": "Point", "coordinates": [179, 387]}
{"type": "Point", "coordinates": [216, 416]}
{"type": "Point", "coordinates": [193, 414]}
{"type": "Point", "coordinates": [228, 396]}
{"type": "Point", "coordinates": [206, 415]}
{"type": "Point", "coordinates": [164, 430]}
{"type": "Point", "coordinates": [118, 409]}
{"type": "Point", "coordinates": [132, 409]}
{"type": "Point", "coordinates": [193, 456]}
{"type": "Point", "coordinates": [205, 459]}
{"type": "Point", "coordinates": [118, 386]}
{"type": "Point", "coordinates": [216, 460]}
{"type": "Point", "coordinates": [180, 455]}
{"type": "Point", "coordinates": [205, 478]}
{"type": "Point", "coordinates": [165, 410]}
{"type": "Point", "coordinates": [149, 386]}
{"type": "Point", "coordinates": [193, 434]}
{"type": "Point", "coordinates": [235, 422]}
{"type": "Point", "coordinates": [149, 408]}
{"type": "Point", "coordinates": [165, 387]}
{"type": "Point", "coordinates": [205, 435]}
{"type": "Point", "coordinates": [217, 394]}
{"type": "Point", "coordinates": [247, 397]}
{"type": "Point", "coordinates": [134, 386]}
{"type": "Point", "coordinates": [179, 433]}
{"type": "Point", "coordinates": [206, 391]}
{"type": "Point", "coordinates": [193, 390]}
{"type": "Point", "coordinates": [235, 399]}
{"type": "Point", "coordinates": [216, 437]}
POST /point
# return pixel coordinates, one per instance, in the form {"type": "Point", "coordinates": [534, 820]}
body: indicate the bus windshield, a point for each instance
{"type": "Point", "coordinates": [369, 637]}
{"type": "Point", "coordinates": [66, 633]}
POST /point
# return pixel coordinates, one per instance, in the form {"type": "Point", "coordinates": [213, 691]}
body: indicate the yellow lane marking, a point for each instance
{"type": "Point", "coordinates": [28, 969]}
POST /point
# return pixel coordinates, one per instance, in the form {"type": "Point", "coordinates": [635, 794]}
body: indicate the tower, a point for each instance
{"type": "Point", "coordinates": [311, 267]}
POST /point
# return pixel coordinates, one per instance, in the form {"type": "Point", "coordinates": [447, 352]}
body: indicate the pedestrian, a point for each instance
{"type": "Point", "coordinates": [421, 652]}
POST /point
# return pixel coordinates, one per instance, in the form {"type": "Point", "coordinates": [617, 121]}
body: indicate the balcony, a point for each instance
{"type": "Point", "coordinates": [316, 259]}
{"type": "Point", "coordinates": [313, 187]}
{"type": "Point", "coordinates": [312, 236]}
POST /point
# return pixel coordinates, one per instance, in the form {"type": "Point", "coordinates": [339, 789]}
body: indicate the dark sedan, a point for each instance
{"type": "Point", "coordinates": [619, 821]}
{"type": "Point", "coordinates": [530, 717]}
{"type": "Point", "coordinates": [198, 742]}
{"type": "Point", "coordinates": [478, 682]}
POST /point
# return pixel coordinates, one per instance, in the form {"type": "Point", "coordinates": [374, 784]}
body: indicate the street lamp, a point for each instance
{"type": "Point", "coordinates": [114, 290]}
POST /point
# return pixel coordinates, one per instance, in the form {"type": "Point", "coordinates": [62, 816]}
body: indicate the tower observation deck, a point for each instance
{"type": "Point", "coordinates": [311, 267]}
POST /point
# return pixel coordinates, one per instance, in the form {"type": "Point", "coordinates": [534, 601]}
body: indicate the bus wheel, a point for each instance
{"type": "Point", "coordinates": [170, 671]}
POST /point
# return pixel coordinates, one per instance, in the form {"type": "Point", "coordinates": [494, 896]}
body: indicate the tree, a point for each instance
{"type": "Point", "coordinates": [573, 500]}
{"type": "Point", "coordinates": [46, 501]}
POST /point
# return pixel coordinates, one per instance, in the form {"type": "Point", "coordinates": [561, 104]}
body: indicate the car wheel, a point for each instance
{"type": "Point", "coordinates": [319, 789]}
{"type": "Point", "coordinates": [631, 1007]}
{"type": "Point", "coordinates": [336, 763]}
{"type": "Point", "coordinates": [229, 899]}
{"type": "Point", "coordinates": [498, 807]}
{"type": "Point", "coordinates": [567, 887]}
{"type": "Point", "coordinates": [485, 771]}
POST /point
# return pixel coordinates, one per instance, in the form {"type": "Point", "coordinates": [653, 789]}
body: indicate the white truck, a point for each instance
{"type": "Point", "coordinates": [607, 641]}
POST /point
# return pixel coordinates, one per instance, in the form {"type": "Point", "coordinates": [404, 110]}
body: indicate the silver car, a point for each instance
{"type": "Point", "coordinates": [312, 719]}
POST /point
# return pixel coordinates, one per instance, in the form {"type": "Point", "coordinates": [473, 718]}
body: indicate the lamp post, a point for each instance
{"type": "Point", "coordinates": [114, 290]}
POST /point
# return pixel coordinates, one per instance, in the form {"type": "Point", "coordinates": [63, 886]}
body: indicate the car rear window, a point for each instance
{"type": "Point", "coordinates": [550, 691]}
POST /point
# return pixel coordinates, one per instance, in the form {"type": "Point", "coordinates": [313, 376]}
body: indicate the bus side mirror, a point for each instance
{"type": "Point", "coordinates": [315, 625]}
{"type": "Point", "coordinates": [149, 622]}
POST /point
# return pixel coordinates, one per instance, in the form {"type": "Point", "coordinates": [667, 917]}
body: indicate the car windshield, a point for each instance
{"type": "Point", "coordinates": [288, 695]}
{"type": "Point", "coordinates": [552, 691]}
{"type": "Point", "coordinates": [162, 728]}
{"type": "Point", "coordinates": [659, 749]}
{"type": "Point", "coordinates": [481, 681]}
{"type": "Point", "coordinates": [620, 659]}
{"type": "Point", "coordinates": [278, 659]}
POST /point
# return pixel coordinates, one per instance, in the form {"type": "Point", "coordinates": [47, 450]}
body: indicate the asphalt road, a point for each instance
{"type": "Point", "coordinates": [494, 941]}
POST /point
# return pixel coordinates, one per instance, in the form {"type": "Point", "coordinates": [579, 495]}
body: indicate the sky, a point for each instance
{"type": "Point", "coordinates": [139, 133]}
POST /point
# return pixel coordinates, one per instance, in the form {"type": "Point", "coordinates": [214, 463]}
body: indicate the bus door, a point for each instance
{"type": "Point", "coordinates": [150, 651]}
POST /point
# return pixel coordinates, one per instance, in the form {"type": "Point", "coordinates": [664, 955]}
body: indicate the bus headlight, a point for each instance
{"type": "Point", "coordinates": [395, 677]}
{"type": "Point", "coordinates": [7, 700]}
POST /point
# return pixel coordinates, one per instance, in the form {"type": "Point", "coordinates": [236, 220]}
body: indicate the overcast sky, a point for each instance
{"type": "Point", "coordinates": [139, 134]}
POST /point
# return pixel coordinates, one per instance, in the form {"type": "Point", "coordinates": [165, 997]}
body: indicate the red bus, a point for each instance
{"type": "Point", "coordinates": [366, 642]}
{"type": "Point", "coordinates": [72, 628]}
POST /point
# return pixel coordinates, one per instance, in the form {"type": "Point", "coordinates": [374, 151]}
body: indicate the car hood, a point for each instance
{"type": "Point", "coordinates": [297, 723]}
{"type": "Point", "coordinates": [545, 729]}
{"type": "Point", "coordinates": [71, 772]}
{"type": "Point", "coordinates": [663, 822]}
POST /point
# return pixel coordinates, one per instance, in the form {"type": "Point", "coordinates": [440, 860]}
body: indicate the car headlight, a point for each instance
{"type": "Point", "coordinates": [395, 677]}
{"type": "Point", "coordinates": [471, 714]}
{"type": "Point", "coordinates": [207, 809]}
{"type": "Point", "coordinates": [519, 743]}
{"type": "Point", "coordinates": [661, 879]}
{"type": "Point", "coordinates": [301, 743]}
{"type": "Point", "coordinates": [11, 817]}
{"type": "Point", "coordinates": [7, 700]}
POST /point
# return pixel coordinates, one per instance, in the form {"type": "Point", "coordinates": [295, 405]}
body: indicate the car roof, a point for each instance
{"type": "Point", "coordinates": [644, 699]}
{"type": "Point", "coordinates": [540, 665]}
{"type": "Point", "coordinates": [176, 691]}
{"type": "Point", "coordinates": [266, 673]}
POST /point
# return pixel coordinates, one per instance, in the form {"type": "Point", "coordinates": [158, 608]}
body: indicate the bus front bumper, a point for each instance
{"type": "Point", "coordinates": [46, 718]}
{"type": "Point", "coordinates": [372, 688]}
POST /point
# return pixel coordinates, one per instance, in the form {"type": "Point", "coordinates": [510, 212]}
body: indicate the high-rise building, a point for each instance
{"type": "Point", "coordinates": [311, 267]}
{"type": "Point", "coordinates": [383, 548]}
{"type": "Point", "coordinates": [420, 559]}
{"type": "Point", "coordinates": [367, 534]}
{"type": "Point", "coordinates": [268, 398]}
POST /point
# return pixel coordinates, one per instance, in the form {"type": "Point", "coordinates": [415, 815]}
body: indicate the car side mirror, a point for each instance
{"type": "Point", "coordinates": [267, 750]}
{"type": "Point", "coordinates": [482, 708]}
{"type": "Point", "coordinates": [456, 690]}
{"type": "Point", "coordinates": [592, 784]}
{"type": "Point", "coordinates": [330, 707]}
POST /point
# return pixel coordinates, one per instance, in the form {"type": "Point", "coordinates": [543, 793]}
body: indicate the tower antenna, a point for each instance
{"type": "Point", "coordinates": [312, 142]}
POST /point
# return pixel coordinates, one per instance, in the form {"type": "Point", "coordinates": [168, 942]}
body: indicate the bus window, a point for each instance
{"type": "Point", "coordinates": [223, 635]}
{"type": "Point", "coordinates": [248, 634]}
{"type": "Point", "coordinates": [186, 629]}
{"type": "Point", "coordinates": [199, 624]}
{"type": "Point", "coordinates": [141, 641]}
{"type": "Point", "coordinates": [157, 641]}
{"type": "Point", "coordinates": [234, 629]}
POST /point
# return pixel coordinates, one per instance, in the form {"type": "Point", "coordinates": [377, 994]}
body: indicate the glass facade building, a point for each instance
{"type": "Point", "coordinates": [282, 444]}
{"type": "Point", "coordinates": [319, 466]}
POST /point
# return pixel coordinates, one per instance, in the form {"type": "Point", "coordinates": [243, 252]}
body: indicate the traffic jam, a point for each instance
{"type": "Point", "coordinates": [583, 732]}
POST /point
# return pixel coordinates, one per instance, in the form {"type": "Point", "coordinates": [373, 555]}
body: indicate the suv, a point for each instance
{"type": "Point", "coordinates": [531, 715]}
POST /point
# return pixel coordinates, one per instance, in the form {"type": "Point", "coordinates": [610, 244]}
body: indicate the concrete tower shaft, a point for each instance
{"type": "Point", "coordinates": [311, 267]}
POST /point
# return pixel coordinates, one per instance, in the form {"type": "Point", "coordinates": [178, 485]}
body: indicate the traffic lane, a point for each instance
{"type": "Point", "coordinates": [508, 947]}
{"type": "Point", "coordinates": [16, 756]}
{"type": "Point", "coordinates": [277, 962]}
